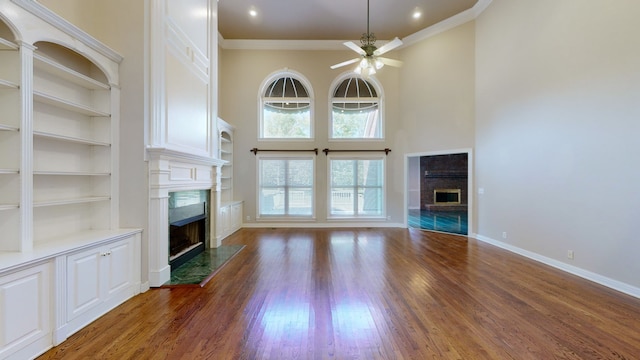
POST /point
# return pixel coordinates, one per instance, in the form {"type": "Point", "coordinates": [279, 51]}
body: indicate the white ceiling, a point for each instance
{"type": "Point", "coordinates": [330, 19]}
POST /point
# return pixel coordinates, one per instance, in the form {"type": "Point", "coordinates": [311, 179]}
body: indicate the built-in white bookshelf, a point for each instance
{"type": "Point", "coordinates": [59, 228]}
{"type": "Point", "coordinates": [229, 216]}
{"type": "Point", "coordinates": [72, 145]}
{"type": "Point", "coordinates": [226, 154]}
{"type": "Point", "coordinates": [10, 143]}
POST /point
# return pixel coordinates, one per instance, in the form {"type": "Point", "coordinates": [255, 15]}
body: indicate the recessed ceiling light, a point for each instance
{"type": "Point", "coordinates": [417, 14]}
{"type": "Point", "coordinates": [253, 12]}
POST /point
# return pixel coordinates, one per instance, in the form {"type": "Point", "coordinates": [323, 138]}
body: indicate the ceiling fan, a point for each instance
{"type": "Point", "coordinates": [370, 59]}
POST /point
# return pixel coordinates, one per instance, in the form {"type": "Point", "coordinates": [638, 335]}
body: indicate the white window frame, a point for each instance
{"type": "Point", "coordinates": [276, 156]}
{"type": "Point", "coordinates": [262, 100]}
{"type": "Point", "coordinates": [380, 100]}
{"type": "Point", "coordinates": [382, 158]}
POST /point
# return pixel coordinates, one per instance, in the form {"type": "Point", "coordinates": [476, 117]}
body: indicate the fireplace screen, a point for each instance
{"type": "Point", "coordinates": [446, 196]}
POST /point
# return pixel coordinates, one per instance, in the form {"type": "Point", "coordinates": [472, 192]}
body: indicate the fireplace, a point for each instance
{"type": "Point", "coordinates": [188, 225]}
{"type": "Point", "coordinates": [172, 172]}
{"type": "Point", "coordinates": [446, 196]}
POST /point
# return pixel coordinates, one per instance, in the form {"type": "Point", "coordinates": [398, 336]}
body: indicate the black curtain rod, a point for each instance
{"type": "Point", "coordinates": [386, 151]}
{"type": "Point", "coordinates": [255, 150]}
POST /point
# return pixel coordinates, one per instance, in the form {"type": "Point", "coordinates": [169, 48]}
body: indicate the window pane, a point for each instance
{"type": "Point", "coordinates": [370, 202]}
{"type": "Point", "coordinates": [300, 173]}
{"type": "Point", "coordinates": [272, 172]}
{"type": "Point", "coordinates": [357, 188]}
{"type": "Point", "coordinates": [300, 201]}
{"type": "Point", "coordinates": [286, 187]}
{"type": "Point", "coordinates": [354, 124]}
{"type": "Point", "coordinates": [279, 122]}
{"type": "Point", "coordinates": [272, 201]}
{"type": "Point", "coordinates": [369, 172]}
{"type": "Point", "coordinates": [342, 173]}
{"type": "Point", "coordinates": [342, 201]}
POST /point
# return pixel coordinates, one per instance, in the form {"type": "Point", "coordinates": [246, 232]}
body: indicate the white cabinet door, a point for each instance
{"type": "Point", "coordinates": [118, 269]}
{"type": "Point", "coordinates": [236, 216]}
{"type": "Point", "coordinates": [99, 279]}
{"type": "Point", "coordinates": [83, 282]}
{"type": "Point", "coordinates": [25, 326]}
{"type": "Point", "coordinates": [225, 220]}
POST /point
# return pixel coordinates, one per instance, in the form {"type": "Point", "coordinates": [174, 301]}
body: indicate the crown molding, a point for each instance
{"type": "Point", "coordinates": [448, 24]}
{"type": "Point", "coordinates": [243, 44]}
{"type": "Point", "coordinates": [66, 27]}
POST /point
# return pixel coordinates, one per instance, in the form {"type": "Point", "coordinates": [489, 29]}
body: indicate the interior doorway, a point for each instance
{"type": "Point", "coordinates": [438, 194]}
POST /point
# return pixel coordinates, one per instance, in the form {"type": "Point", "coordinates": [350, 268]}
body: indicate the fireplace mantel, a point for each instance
{"type": "Point", "coordinates": [171, 171]}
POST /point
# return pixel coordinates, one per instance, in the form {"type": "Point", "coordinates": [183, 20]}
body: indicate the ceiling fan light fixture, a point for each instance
{"type": "Point", "coordinates": [369, 60]}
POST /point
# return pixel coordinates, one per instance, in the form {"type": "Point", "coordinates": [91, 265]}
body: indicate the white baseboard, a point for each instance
{"type": "Point", "coordinates": [337, 224]}
{"type": "Point", "coordinates": [585, 274]}
{"type": "Point", "coordinates": [144, 287]}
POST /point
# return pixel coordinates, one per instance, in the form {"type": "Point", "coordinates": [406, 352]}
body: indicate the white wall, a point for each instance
{"type": "Point", "coordinates": [557, 131]}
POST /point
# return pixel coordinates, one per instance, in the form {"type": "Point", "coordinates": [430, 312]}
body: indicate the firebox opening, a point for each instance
{"type": "Point", "coordinates": [446, 196]}
{"type": "Point", "coordinates": [188, 225]}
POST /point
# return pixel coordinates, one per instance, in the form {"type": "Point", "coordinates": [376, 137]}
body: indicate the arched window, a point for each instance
{"type": "Point", "coordinates": [286, 104]}
{"type": "Point", "coordinates": [356, 109]}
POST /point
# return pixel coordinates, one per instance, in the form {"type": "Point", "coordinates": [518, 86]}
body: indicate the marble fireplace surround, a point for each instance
{"type": "Point", "coordinates": [171, 171]}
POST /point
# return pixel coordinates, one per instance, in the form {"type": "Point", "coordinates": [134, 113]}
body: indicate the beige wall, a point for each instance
{"type": "Point", "coordinates": [420, 113]}
{"type": "Point", "coordinates": [241, 74]}
{"type": "Point", "coordinates": [437, 92]}
{"type": "Point", "coordinates": [557, 131]}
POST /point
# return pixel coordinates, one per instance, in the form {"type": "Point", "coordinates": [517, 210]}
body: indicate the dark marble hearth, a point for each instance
{"type": "Point", "coordinates": [201, 268]}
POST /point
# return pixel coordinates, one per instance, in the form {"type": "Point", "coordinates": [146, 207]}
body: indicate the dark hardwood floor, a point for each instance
{"type": "Point", "coordinates": [368, 294]}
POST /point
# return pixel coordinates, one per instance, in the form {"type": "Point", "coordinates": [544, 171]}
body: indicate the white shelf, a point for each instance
{"type": "Point", "coordinates": [6, 84]}
{"type": "Point", "coordinates": [9, 171]}
{"type": "Point", "coordinates": [7, 45]}
{"type": "Point", "coordinates": [72, 139]}
{"type": "Point", "coordinates": [83, 200]}
{"type": "Point", "coordinates": [9, 207]}
{"type": "Point", "coordinates": [64, 73]}
{"type": "Point", "coordinates": [70, 173]}
{"type": "Point", "coordinates": [67, 105]}
{"type": "Point", "coordinates": [8, 128]}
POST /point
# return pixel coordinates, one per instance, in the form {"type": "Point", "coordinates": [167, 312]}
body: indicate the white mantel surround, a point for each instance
{"type": "Point", "coordinates": [171, 171]}
{"type": "Point", "coordinates": [182, 144]}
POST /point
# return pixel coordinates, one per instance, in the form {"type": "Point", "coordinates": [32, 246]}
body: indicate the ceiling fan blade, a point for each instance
{"type": "Point", "coordinates": [344, 63]}
{"type": "Point", "coordinates": [390, 62]}
{"type": "Point", "coordinates": [351, 45]}
{"type": "Point", "coordinates": [388, 46]}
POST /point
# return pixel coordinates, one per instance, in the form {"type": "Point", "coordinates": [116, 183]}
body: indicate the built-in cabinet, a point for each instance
{"type": "Point", "coordinates": [25, 298]}
{"type": "Point", "coordinates": [229, 210]}
{"type": "Point", "coordinates": [98, 279]}
{"type": "Point", "coordinates": [64, 261]}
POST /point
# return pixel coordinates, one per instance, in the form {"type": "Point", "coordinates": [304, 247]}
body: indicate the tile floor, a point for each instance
{"type": "Point", "coordinates": [455, 222]}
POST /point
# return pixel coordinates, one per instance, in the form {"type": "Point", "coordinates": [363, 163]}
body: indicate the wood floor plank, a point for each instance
{"type": "Point", "coordinates": [368, 294]}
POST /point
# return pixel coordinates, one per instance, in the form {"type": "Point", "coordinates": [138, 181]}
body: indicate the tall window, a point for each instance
{"type": "Point", "coordinates": [286, 107]}
{"type": "Point", "coordinates": [355, 110]}
{"type": "Point", "coordinates": [286, 186]}
{"type": "Point", "coordinates": [356, 187]}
